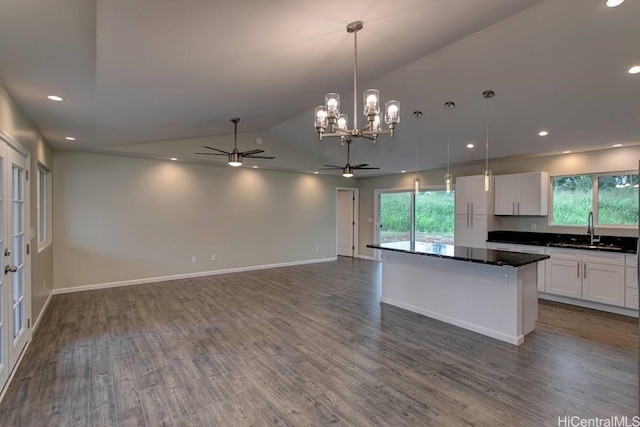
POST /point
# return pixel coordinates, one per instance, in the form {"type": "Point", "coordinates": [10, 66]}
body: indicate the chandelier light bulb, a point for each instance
{"type": "Point", "coordinates": [343, 121]}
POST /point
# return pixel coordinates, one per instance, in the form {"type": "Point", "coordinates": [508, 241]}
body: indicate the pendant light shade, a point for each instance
{"type": "Point", "coordinates": [416, 185]}
{"type": "Point", "coordinates": [487, 94]}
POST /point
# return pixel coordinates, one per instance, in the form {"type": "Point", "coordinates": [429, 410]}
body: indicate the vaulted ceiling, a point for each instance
{"type": "Point", "coordinates": [162, 78]}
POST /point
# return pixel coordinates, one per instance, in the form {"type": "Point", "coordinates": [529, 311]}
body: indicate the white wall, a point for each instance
{"type": "Point", "coordinates": [610, 160]}
{"type": "Point", "coordinates": [120, 218]}
{"type": "Point", "coordinates": [15, 125]}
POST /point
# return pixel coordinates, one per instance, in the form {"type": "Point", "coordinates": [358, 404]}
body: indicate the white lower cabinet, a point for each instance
{"type": "Point", "coordinates": [563, 275]}
{"type": "Point", "coordinates": [603, 283]}
{"type": "Point", "coordinates": [631, 283]}
{"type": "Point", "coordinates": [588, 275]}
{"type": "Point", "coordinates": [598, 276]}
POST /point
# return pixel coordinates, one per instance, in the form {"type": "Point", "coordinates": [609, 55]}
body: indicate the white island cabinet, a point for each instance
{"type": "Point", "coordinates": [493, 293]}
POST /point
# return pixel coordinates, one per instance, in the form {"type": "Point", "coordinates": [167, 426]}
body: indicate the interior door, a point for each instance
{"type": "Point", "coordinates": [345, 222]}
{"type": "Point", "coordinates": [17, 308]}
{"type": "Point", "coordinates": [4, 292]}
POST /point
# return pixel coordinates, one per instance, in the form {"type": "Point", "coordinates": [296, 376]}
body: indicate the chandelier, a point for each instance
{"type": "Point", "coordinates": [328, 116]}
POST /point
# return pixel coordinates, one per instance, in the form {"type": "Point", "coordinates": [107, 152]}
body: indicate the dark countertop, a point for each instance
{"type": "Point", "coordinates": [463, 253]}
{"type": "Point", "coordinates": [607, 243]}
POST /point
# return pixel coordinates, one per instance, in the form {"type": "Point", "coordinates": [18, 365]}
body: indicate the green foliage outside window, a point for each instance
{"type": "Point", "coordinates": [617, 201]}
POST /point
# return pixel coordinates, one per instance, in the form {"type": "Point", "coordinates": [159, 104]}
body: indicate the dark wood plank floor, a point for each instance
{"type": "Point", "coordinates": [308, 345]}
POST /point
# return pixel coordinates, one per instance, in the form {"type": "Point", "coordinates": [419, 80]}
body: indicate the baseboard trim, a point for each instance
{"type": "Point", "coordinates": [370, 258]}
{"type": "Point", "coordinates": [42, 312]}
{"type": "Point", "coordinates": [96, 286]}
{"type": "Point", "coordinates": [588, 304]}
{"type": "Point", "coordinates": [511, 339]}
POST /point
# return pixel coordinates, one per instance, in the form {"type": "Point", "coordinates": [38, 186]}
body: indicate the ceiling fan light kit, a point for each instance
{"type": "Point", "coordinates": [328, 116]}
{"type": "Point", "coordinates": [348, 169]}
{"type": "Point", "coordinates": [235, 157]}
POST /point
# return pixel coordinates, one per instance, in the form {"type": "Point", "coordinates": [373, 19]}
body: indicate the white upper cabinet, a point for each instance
{"type": "Point", "coordinates": [471, 199]}
{"type": "Point", "coordinates": [522, 194]}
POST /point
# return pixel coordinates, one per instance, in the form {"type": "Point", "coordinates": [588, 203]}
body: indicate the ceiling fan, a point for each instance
{"type": "Point", "coordinates": [235, 157]}
{"type": "Point", "coordinates": [347, 170]}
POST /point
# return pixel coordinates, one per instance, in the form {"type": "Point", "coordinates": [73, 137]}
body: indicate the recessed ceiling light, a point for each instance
{"type": "Point", "coordinates": [635, 69]}
{"type": "Point", "coordinates": [70, 138]}
{"type": "Point", "coordinates": [403, 171]}
{"type": "Point", "coordinates": [566, 152]}
{"type": "Point", "coordinates": [470, 145]}
{"type": "Point", "coordinates": [55, 98]}
{"type": "Point", "coordinates": [617, 145]}
{"type": "Point", "coordinates": [316, 172]}
{"type": "Point", "coordinates": [255, 167]}
{"type": "Point", "coordinates": [614, 3]}
{"type": "Point", "coordinates": [174, 158]}
{"type": "Point", "coordinates": [543, 133]}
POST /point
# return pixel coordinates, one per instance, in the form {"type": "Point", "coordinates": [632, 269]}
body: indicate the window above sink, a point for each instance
{"type": "Point", "coordinates": [612, 197]}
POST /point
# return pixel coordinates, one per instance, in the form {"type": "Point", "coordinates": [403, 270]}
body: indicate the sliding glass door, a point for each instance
{"type": "Point", "coordinates": [404, 217]}
{"type": "Point", "coordinates": [395, 217]}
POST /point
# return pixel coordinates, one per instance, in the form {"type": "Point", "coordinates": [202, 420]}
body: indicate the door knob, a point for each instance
{"type": "Point", "coordinates": [10, 268]}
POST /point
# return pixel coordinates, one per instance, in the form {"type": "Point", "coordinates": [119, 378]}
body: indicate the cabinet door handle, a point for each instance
{"type": "Point", "coordinates": [518, 208]}
{"type": "Point", "coordinates": [578, 270]}
{"type": "Point", "coordinates": [513, 208]}
{"type": "Point", "coordinates": [471, 208]}
{"type": "Point", "coordinates": [467, 208]}
{"type": "Point", "coordinates": [585, 270]}
{"type": "Point", "coordinates": [471, 221]}
{"type": "Point", "coordinates": [467, 220]}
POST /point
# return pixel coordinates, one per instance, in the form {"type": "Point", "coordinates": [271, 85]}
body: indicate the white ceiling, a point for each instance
{"type": "Point", "coordinates": [161, 78]}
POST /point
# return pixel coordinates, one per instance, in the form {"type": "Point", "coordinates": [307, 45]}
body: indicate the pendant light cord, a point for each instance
{"type": "Point", "coordinates": [449, 139]}
{"type": "Point", "coordinates": [486, 162]}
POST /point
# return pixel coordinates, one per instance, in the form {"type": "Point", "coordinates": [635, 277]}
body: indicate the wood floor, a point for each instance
{"type": "Point", "coordinates": [308, 345]}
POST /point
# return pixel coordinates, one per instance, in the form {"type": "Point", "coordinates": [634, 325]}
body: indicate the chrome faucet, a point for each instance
{"type": "Point", "coordinates": [590, 229]}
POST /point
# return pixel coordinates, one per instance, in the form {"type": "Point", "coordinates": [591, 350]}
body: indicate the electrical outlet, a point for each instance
{"type": "Point", "coordinates": [505, 279]}
{"type": "Point", "coordinates": [213, 257]}
{"type": "Point", "coordinates": [193, 259]}
{"type": "Point", "coordinates": [534, 227]}
{"type": "Point", "coordinates": [317, 248]}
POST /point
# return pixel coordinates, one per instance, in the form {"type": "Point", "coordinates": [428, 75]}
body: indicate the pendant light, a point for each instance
{"type": "Point", "coordinates": [487, 94]}
{"type": "Point", "coordinates": [416, 179]}
{"type": "Point", "coordinates": [450, 105]}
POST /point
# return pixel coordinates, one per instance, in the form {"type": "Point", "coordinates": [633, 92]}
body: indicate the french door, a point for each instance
{"type": "Point", "coordinates": [15, 298]}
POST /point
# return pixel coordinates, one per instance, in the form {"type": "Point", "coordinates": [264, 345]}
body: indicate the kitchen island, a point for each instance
{"type": "Point", "coordinates": [490, 292]}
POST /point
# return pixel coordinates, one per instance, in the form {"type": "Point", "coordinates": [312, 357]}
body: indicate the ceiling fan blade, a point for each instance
{"type": "Point", "coordinates": [251, 156]}
{"type": "Point", "coordinates": [365, 167]}
{"type": "Point", "coordinates": [334, 166]}
{"type": "Point", "coordinates": [215, 149]}
{"type": "Point", "coordinates": [331, 168]}
{"type": "Point", "coordinates": [361, 165]}
{"type": "Point", "coordinates": [251, 152]}
{"type": "Point", "coordinates": [212, 154]}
